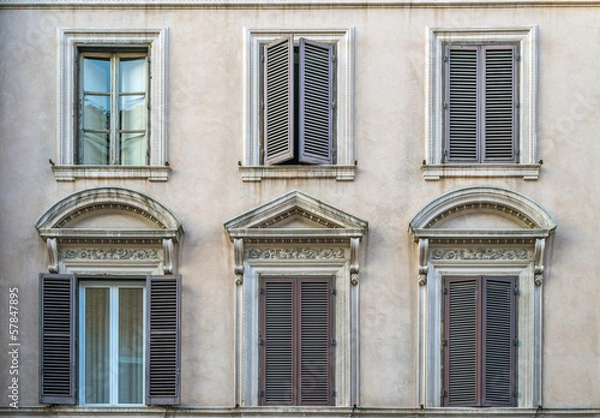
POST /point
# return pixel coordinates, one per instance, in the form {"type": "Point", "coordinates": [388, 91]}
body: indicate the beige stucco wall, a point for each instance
{"type": "Point", "coordinates": [205, 130]}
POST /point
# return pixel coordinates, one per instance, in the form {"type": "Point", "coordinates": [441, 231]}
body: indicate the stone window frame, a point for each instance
{"type": "Point", "coordinates": [344, 168]}
{"type": "Point", "coordinates": [70, 40]}
{"type": "Point", "coordinates": [264, 246]}
{"type": "Point", "coordinates": [448, 252]}
{"type": "Point", "coordinates": [527, 164]}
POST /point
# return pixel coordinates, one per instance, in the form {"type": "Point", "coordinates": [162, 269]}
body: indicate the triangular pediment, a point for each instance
{"type": "Point", "coordinates": [297, 213]}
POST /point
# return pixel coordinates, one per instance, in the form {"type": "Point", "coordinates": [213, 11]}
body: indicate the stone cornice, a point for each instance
{"type": "Point", "coordinates": [286, 4]}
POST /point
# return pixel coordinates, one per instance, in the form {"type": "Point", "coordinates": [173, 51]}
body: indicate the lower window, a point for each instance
{"type": "Point", "coordinates": [296, 341]}
{"type": "Point", "coordinates": [111, 343]}
{"type": "Point", "coordinates": [479, 341]}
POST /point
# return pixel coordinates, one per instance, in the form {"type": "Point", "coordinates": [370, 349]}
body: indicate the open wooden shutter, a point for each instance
{"type": "Point", "coordinates": [461, 103]}
{"type": "Point", "coordinates": [316, 102]}
{"type": "Point", "coordinates": [296, 332]}
{"type": "Point", "coordinates": [499, 334]}
{"type": "Point", "coordinates": [278, 342]}
{"type": "Point", "coordinates": [461, 333]}
{"type": "Point", "coordinates": [315, 342]}
{"type": "Point", "coordinates": [279, 101]}
{"type": "Point", "coordinates": [500, 103]}
{"type": "Point", "coordinates": [163, 340]}
{"type": "Point", "coordinates": [58, 356]}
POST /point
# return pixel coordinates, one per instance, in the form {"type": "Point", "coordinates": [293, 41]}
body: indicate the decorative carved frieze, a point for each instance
{"type": "Point", "coordinates": [480, 254]}
{"type": "Point", "coordinates": [297, 253]}
{"type": "Point", "coordinates": [109, 254]}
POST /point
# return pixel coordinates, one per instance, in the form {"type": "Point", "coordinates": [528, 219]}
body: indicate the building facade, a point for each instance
{"type": "Point", "coordinates": [299, 208]}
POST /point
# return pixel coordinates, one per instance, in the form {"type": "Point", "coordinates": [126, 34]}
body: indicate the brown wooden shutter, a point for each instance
{"type": "Point", "coordinates": [316, 102]}
{"type": "Point", "coordinates": [499, 336]}
{"type": "Point", "coordinates": [461, 103]}
{"type": "Point", "coordinates": [296, 345]}
{"type": "Point", "coordinates": [163, 345]}
{"type": "Point", "coordinates": [500, 103]}
{"type": "Point", "coordinates": [279, 101]}
{"type": "Point", "coordinates": [479, 345]}
{"type": "Point", "coordinates": [461, 333]}
{"type": "Point", "coordinates": [58, 356]}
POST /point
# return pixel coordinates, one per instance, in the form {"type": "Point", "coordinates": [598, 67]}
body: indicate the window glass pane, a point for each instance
{"type": "Point", "coordinates": [132, 75]}
{"type": "Point", "coordinates": [133, 149]}
{"type": "Point", "coordinates": [133, 112]}
{"type": "Point", "coordinates": [97, 365]}
{"type": "Point", "coordinates": [95, 148]}
{"type": "Point", "coordinates": [96, 74]}
{"type": "Point", "coordinates": [96, 112]}
{"type": "Point", "coordinates": [131, 345]}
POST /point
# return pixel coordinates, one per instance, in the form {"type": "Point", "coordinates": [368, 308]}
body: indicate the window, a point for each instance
{"type": "Point", "coordinates": [296, 318]}
{"type": "Point", "coordinates": [112, 105]}
{"type": "Point", "coordinates": [128, 341]}
{"type": "Point", "coordinates": [481, 90]}
{"type": "Point", "coordinates": [480, 103]}
{"type": "Point", "coordinates": [111, 343]}
{"type": "Point", "coordinates": [296, 341]}
{"type": "Point", "coordinates": [298, 102]}
{"type": "Point", "coordinates": [480, 271]}
{"type": "Point", "coordinates": [113, 119]}
{"type": "Point", "coordinates": [479, 341]}
{"type": "Point", "coordinates": [299, 88]}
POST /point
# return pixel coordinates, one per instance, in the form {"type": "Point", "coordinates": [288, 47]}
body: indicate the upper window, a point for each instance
{"type": "Point", "coordinates": [112, 103]}
{"type": "Point", "coordinates": [481, 116]}
{"type": "Point", "coordinates": [113, 118]}
{"type": "Point", "coordinates": [299, 90]}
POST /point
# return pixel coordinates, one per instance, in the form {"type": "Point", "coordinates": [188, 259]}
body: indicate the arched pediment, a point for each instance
{"type": "Point", "coordinates": [295, 215]}
{"type": "Point", "coordinates": [108, 213]}
{"type": "Point", "coordinates": [482, 211]}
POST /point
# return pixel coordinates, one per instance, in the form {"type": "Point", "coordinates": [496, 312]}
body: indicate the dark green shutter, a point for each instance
{"type": "Point", "coordinates": [279, 101]}
{"type": "Point", "coordinates": [316, 102]}
{"type": "Point", "coordinates": [163, 345]}
{"type": "Point", "coordinates": [58, 355]}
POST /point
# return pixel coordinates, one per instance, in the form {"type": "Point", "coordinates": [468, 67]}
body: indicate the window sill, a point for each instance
{"type": "Point", "coordinates": [73, 172]}
{"type": "Point", "coordinates": [437, 171]}
{"type": "Point", "coordinates": [258, 173]}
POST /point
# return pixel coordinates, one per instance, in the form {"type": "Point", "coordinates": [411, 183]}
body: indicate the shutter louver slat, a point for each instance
{"type": "Point", "coordinates": [163, 357]}
{"type": "Point", "coordinates": [279, 355]}
{"type": "Point", "coordinates": [315, 343]}
{"type": "Point", "coordinates": [462, 335]}
{"type": "Point", "coordinates": [279, 101]}
{"type": "Point", "coordinates": [499, 342]}
{"type": "Point", "coordinates": [500, 104]}
{"type": "Point", "coordinates": [462, 109]}
{"type": "Point", "coordinates": [316, 102]}
{"type": "Point", "coordinates": [57, 351]}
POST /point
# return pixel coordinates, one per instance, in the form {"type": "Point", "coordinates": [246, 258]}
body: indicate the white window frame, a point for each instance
{"type": "Point", "coordinates": [527, 164]}
{"type": "Point", "coordinates": [113, 319]}
{"type": "Point", "coordinates": [251, 168]}
{"type": "Point", "coordinates": [70, 40]}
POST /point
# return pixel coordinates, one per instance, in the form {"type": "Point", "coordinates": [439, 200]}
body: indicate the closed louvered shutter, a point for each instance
{"type": "Point", "coordinates": [163, 347]}
{"type": "Point", "coordinates": [296, 360]}
{"type": "Point", "coordinates": [480, 103]}
{"type": "Point", "coordinates": [479, 332]}
{"type": "Point", "coordinates": [279, 101]}
{"type": "Point", "coordinates": [500, 103]}
{"type": "Point", "coordinates": [462, 336]}
{"type": "Point", "coordinates": [58, 357]}
{"type": "Point", "coordinates": [316, 102]}
{"type": "Point", "coordinates": [499, 342]}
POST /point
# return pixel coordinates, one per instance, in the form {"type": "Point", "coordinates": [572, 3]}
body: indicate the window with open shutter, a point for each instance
{"type": "Point", "coordinates": [298, 102]}
{"type": "Point", "coordinates": [57, 339]}
{"type": "Point", "coordinates": [479, 341]}
{"type": "Point", "coordinates": [296, 341]}
{"type": "Point", "coordinates": [480, 103]}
